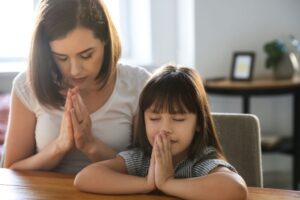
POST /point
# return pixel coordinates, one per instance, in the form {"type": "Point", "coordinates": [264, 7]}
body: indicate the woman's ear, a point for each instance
{"type": "Point", "coordinates": [197, 128]}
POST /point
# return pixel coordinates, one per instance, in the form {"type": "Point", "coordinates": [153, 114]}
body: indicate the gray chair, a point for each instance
{"type": "Point", "coordinates": [240, 138]}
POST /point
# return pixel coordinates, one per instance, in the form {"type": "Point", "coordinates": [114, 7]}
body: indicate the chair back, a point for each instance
{"type": "Point", "coordinates": [240, 138]}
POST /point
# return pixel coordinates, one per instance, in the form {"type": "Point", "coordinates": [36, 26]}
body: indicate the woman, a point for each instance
{"type": "Point", "coordinates": [77, 104]}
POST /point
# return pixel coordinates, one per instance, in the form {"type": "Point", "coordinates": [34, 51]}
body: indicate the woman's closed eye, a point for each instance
{"type": "Point", "coordinates": [86, 55]}
{"type": "Point", "coordinates": [60, 58]}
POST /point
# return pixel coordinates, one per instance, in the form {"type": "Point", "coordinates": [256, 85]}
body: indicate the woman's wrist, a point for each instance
{"type": "Point", "coordinates": [60, 147]}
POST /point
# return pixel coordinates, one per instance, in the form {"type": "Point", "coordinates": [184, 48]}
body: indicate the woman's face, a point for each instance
{"type": "Point", "coordinates": [79, 56]}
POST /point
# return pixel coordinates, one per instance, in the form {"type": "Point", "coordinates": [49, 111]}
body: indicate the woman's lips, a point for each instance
{"type": "Point", "coordinates": [78, 80]}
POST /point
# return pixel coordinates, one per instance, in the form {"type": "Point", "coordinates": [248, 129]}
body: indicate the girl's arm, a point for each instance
{"type": "Point", "coordinates": [221, 183]}
{"type": "Point", "coordinates": [20, 152]}
{"type": "Point", "coordinates": [110, 177]}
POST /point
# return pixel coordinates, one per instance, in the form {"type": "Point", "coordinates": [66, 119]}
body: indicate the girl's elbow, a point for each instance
{"type": "Point", "coordinates": [82, 180]}
{"type": "Point", "coordinates": [78, 182]}
{"type": "Point", "coordinates": [241, 189]}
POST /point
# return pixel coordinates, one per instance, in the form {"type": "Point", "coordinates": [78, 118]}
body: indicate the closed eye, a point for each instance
{"type": "Point", "coordinates": [179, 119]}
{"type": "Point", "coordinates": [61, 58]}
{"type": "Point", "coordinates": [154, 118]}
{"type": "Point", "coordinates": [86, 55]}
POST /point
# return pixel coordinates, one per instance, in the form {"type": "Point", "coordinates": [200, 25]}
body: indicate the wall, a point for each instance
{"type": "Point", "coordinates": [6, 79]}
{"type": "Point", "coordinates": [223, 27]}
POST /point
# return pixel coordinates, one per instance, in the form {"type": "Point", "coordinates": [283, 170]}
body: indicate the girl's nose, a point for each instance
{"type": "Point", "coordinates": [166, 128]}
{"type": "Point", "coordinates": [167, 132]}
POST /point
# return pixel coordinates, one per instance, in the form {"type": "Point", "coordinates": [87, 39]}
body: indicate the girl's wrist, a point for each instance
{"type": "Point", "coordinates": [164, 187]}
{"type": "Point", "coordinates": [150, 186]}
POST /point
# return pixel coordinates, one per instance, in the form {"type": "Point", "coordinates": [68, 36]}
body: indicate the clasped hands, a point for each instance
{"type": "Point", "coordinates": [161, 164]}
{"type": "Point", "coordinates": [75, 128]}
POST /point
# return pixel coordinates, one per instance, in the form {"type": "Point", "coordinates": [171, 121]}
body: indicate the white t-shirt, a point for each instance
{"type": "Point", "coordinates": [112, 123]}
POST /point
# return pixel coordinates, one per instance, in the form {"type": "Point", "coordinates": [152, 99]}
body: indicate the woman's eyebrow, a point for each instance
{"type": "Point", "coordinates": [86, 50]}
{"type": "Point", "coordinates": [81, 52]}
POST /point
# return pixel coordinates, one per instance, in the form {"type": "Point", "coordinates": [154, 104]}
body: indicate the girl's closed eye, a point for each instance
{"type": "Point", "coordinates": [179, 117]}
{"type": "Point", "coordinates": [154, 118]}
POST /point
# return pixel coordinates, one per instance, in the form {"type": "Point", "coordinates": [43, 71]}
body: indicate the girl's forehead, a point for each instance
{"type": "Point", "coordinates": [172, 109]}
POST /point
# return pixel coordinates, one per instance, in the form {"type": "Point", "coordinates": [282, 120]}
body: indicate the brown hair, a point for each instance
{"type": "Point", "coordinates": [178, 89]}
{"type": "Point", "coordinates": [55, 19]}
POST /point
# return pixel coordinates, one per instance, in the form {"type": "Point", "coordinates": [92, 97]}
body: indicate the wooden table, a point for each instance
{"type": "Point", "coordinates": [16, 185]}
{"type": "Point", "coordinates": [265, 87]}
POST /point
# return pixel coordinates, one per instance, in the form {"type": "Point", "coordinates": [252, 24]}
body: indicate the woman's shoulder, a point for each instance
{"type": "Point", "coordinates": [20, 79]}
{"type": "Point", "coordinates": [21, 84]}
{"type": "Point", "coordinates": [132, 71]}
{"type": "Point", "coordinates": [23, 90]}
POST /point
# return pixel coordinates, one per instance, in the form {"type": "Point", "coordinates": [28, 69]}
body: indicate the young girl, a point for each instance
{"type": "Point", "coordinates": [176, 149]}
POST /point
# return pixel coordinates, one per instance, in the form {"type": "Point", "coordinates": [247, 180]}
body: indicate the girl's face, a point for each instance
{"type": "Point", "coordinates": [180, 128]}
{"type": "Point", "coordinates": [79, 57]}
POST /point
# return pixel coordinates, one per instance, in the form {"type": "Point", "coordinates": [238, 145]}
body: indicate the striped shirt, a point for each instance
{"type": "Point", "coordinates": [137, 163]}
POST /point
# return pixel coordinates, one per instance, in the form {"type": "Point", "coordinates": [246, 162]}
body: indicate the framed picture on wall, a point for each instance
{"type": "Point", "coordinates": [242, 66]}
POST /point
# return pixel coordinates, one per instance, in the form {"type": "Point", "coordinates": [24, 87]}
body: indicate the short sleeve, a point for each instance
{"type": "Point", "coordinates": [136, 162]}
{"type": "Point", "coordinates": [24, 92]}
{"type": "Point", "coordinates": [203, 167]}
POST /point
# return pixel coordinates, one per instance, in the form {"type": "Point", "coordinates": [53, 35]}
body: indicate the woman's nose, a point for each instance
{"type": "Point", "coordinates": [75, 67]}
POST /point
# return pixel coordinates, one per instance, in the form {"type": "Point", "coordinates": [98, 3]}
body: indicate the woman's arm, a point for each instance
{"type": "Point", "coordinates": [221, 183]}
{"type": "Point", "coordinates": [20, 144]}
{"type": "Point", "coordinates": [110, 177]}
{"type": "Point", "coordinates": [84, 139]}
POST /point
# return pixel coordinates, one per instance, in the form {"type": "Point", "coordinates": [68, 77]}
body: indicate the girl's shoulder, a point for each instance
{"type": "Point", "coordinates": [135, 153]}
{"type": "Point", "coordinates": [208, 161]}
{"type": "Point", "coordinates": [136, 161]}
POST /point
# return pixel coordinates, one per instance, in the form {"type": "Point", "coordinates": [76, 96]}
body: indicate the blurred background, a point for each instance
{"type": "Point", "coordinates": [198, 33]}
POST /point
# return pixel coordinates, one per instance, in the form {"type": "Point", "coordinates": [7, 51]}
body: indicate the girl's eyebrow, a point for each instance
{"type": "Point", "coordinates": [81, 52]}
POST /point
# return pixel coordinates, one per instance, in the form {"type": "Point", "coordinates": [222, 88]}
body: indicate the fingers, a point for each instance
{"type": "Point", "coordinates": [76, 105]}
{"type": "Point", "coordinates": [68, 104]}
{"type": "Point", "coordinates": [163, 143]}
{"type": "Point", "coordinates": [74, 120]}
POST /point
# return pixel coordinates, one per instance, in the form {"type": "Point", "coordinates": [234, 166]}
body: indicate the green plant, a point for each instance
{"type": "Point", "coordinates": [275, 51]}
